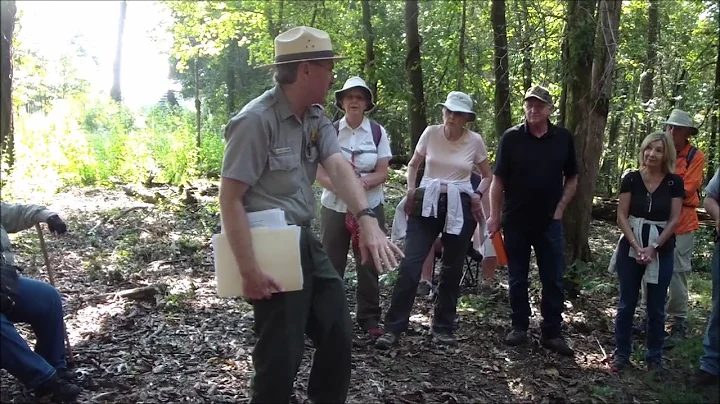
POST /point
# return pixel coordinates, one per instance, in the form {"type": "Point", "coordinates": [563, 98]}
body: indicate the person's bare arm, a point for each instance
{"type": "Point", "coordinates": [713, 209]}
{"type": "Point", "coordinates": [412, 169]}
{"type": "Point", "coordinates": [487, 177]}
{"type": "Point", "coordinates": [379, 176]}
{"type": "Point", "coordinates": [496, 196]}
{"type": "Point", "coordinates": [568, 192]}
{"type": "Point", "coordinates": [669, 230]}
{"type": "Point", "coordinates": [323, 179]}
{"type": "Point", "coordinates": [623, 215]}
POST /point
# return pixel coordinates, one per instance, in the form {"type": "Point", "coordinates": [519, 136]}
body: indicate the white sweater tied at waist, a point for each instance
{"type": "Point", "coordinates": [454, 218]}
{"type": "Point", "coordinates": [637, 224]}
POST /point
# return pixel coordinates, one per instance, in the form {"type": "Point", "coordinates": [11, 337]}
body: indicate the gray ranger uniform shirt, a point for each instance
{"type": "Point", "coordinates": [269, 149]}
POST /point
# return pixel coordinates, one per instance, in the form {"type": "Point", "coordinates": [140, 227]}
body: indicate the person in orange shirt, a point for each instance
{"type": "Point", "coordinates": [689, 166]}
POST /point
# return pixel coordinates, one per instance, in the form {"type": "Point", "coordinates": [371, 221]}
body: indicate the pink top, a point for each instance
{"type": "Point", "coordinates": [450, 160]}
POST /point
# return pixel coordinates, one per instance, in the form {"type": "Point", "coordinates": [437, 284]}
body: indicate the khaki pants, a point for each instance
{"type": "Point", "coordinates": [677, 304]}
{"type": "Point", "coordinates": [336, 242]}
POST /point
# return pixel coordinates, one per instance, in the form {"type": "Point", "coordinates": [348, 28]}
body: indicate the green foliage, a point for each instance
{"type": "Point", "coordinates": [66, 136]}
{"type": "Point", "coordinates": [105, 142]}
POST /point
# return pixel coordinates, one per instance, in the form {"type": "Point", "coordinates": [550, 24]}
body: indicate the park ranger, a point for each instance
{"type": "Point", "coordinates": [273, 147]}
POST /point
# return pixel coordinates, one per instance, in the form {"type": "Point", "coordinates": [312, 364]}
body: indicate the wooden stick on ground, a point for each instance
{"type": "Point", "coordinates": [51, 276]}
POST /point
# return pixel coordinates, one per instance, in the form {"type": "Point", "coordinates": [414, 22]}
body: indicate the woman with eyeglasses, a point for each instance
{"type": "Point", "coordinates": [365, 145]}
{"type": "Point", "coordinates": [648, 212]}
{"type": "Point", "coordinates": [445, 203]}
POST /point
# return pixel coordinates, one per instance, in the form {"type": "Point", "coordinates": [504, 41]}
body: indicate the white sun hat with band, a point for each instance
{"type": "Point", "coordinates": [303, 44]}
{"type": "Point", "coordinates": [355, 82]}
{"type": "Point", "coordinates": [458, 101]}
{"type": "Point", "coordinates": [679, 117]}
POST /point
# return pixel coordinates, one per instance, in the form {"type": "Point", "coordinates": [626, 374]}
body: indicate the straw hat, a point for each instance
{"type": "Point", "coordinates": [302, 44]}
{"type": "Point", "coordinates": [355, 82]}
{"type": "Point", "coordinates": [679, 117]}
{"type": "Point", "coordinates": [458, 101]}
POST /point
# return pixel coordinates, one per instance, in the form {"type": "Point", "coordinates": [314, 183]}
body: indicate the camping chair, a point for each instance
{"type": "Point", "coordinates": [51, 277]}
{"type": "Point", "coordinates": [471, 269]}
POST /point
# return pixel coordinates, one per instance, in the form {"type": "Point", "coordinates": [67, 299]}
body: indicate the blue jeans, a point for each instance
{"type": "Point", "coordinates": [421, 234]}
{"type": "Point", "coordinates": [630, 275]}
{"type": "Point", "coordinates": [39, 305]}
{"type": "Point", "coordinates": [710, 361]}
{"type": "Point", "coordinates": [549, 247]}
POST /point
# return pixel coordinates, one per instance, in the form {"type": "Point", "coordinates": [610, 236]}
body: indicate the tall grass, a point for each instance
{"type": "Point", "coordinates": [101, 142]}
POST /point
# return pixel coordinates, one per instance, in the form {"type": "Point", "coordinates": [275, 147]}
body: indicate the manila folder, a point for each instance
{"type": "Point", "coordinates": [277, 251]}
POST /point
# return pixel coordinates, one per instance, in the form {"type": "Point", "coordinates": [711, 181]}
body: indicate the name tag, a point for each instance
{"type": "Point", "coordinates": [282, 150]}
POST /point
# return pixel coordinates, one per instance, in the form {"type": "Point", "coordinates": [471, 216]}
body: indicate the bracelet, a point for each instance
{"type": "Point", "coordinates": [479, 193]}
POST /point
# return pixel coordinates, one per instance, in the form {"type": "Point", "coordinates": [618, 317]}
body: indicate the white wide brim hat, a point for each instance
{"type": "Point", "coordinates": [303, 44]}
{"type": "Point", "coordinates": [679, 117]}
{"type": "Point", "coordinates": [355, 82]}
{"type": "Point", "coordinates": [458, 101]}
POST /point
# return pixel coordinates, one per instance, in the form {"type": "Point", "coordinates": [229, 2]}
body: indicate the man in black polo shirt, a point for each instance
{"type": "Point", "coordinates": [537, 171]}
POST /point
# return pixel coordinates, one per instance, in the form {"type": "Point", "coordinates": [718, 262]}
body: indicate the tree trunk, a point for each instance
{"type": "Point", "coordinates": [713, 149]}
{"type": "Point", "coordinates": [564, 55]}
{"type": "Point", "coordinates": [198, 115]}
{"type": "Point", "coordinates": [7, 26]}
{"type": "Point", "coordinates": [503, 119]}
{"type": "Point", "coordinates": [598, 105]}
{"type": "Point", "coordinates": [413, 66]}
{"type": "Point", "coordinates": [629, 140]}
{"type": "Point", "coordinates": [648, 77]}
{"type": "Point", "coordinates": [678, 89]}
{"type": "Point", "coordinates": [273, 27]}
{"type": "Point", "coordinates": [231, 67]}
{"type": "Point", "coordinates": [116, 90]}
{"type": "Point", "coordinates": [461, 48]}
{"type": "Point", "coordinates": [369, 37]}
{"type": "Point", "coordinates": [581, 38]}
{"type": "Point", "coordinates": [610, 160]}
{"type": "Point", "coordinates": [526, 46]}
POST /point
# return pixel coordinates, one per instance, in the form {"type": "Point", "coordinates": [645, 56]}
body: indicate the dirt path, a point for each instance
{"type": "Point", "coordinates": [187, 345]}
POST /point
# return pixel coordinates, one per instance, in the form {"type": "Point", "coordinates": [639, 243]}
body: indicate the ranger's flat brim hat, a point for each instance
{"type": "Point", "coordinates": [679, 117]}
{"type": "Point", "coordinates": [303, 44]}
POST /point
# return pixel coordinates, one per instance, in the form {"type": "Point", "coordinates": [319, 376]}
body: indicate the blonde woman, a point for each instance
{"type": "Point", "coordinates": [648, 212]}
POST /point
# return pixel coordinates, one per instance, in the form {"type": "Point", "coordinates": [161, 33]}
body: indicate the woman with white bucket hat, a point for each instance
{"type": "Point", "coordinates": [365, 145]}
{"type": "Point", "coordinates": [444, 203]}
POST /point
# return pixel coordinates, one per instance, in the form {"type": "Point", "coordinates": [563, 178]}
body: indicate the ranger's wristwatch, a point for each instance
{"type": "Point", "coordinates": [364, 212]}
{"type": "Point", "coordinates": [655, 246]}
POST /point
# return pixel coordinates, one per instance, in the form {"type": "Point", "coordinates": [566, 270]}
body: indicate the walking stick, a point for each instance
{"type": "Point", "coordinates": [51, 275]}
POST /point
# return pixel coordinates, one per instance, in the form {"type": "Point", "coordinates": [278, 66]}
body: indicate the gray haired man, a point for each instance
{"type": "Point", "coordinates": [274, 146]}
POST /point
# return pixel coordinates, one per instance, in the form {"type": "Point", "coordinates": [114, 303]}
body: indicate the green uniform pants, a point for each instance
{"type": "Point", "coordinates": [319, 310]}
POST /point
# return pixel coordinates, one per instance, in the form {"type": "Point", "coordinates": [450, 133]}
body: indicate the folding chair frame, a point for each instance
{"type": "Point", "coordinates": [471, 268]}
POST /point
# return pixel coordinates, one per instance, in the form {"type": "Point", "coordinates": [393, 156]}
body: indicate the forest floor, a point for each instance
{"type": "Point", "coordinates": [188, 345]}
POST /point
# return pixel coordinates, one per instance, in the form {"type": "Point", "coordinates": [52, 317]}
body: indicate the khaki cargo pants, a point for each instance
{"type": "Point", "coordinates": [336, 241]}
